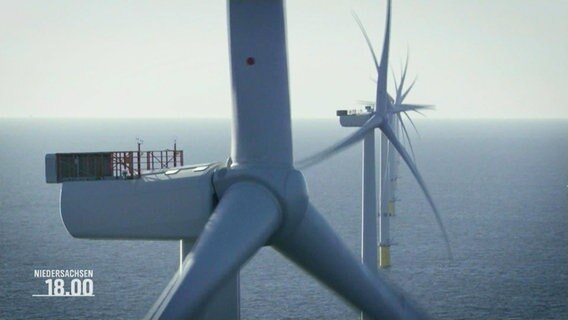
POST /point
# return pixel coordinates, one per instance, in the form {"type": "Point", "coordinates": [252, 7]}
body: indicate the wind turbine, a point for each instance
{"type": "Point", "coordinates": [257, 199]}
{"type": "Point", "coordinates": [381, 119]}
{"type": "Point", "coordinates": [388, 168]}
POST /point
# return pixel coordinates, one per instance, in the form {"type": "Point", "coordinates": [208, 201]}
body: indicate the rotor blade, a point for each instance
{"type": "Point", "coordinates": [403, 77]}
{"type": "Point", "coordinates": [355, 137]}
{"type": "Point", "coordinates": [382, 81]}
{"type": "Point", "coordinates": [362, 28]}
{"type": "Point", "coordinates": [412, 123]}
{"type": "Point", "coordinates": [245, 218]}
{"type": "Point", "coordinates": [396, 88]}
{"type": "Point", "coordinates": [387, 130]}
{"type": "Point", "coordinates": [405, 133]}
{"type": "Point", "coordinates": [419, 112]}
{"type": "Point", "coordinates": [398, 108]}
{"type": "Point", "coordinates": [413, 107]}
{"type": "Point", "coordinates": [408, 90]}
{"type": "Point", "coordinates": [315, 247]}
{"type": "Point", "coordinates": [391, 100]}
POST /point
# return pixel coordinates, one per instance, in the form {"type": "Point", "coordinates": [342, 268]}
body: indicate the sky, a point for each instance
{"type": "Point", "coordinates": [163, 59]}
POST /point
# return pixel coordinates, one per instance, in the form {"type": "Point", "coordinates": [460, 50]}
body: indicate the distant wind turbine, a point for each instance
{"type": "Point", "coordinates": [380, 119]}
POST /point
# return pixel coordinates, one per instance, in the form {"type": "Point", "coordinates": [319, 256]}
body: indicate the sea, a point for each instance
{"type": "Point", "coordinates": [501, 187]}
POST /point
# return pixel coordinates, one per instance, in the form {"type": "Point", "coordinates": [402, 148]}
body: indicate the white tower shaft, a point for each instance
{"type": "Point", "coordinates": [369, 204]}
{"type": "Point", "coordinates": [384, 223]}
{"type": "Point", "coordinates": [393, 169]}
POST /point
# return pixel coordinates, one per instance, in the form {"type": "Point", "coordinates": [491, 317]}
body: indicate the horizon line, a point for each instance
{"type": "Point", "coordinates": [31, 117]}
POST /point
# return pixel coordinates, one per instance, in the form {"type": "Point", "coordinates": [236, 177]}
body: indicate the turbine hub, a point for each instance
{"type": "Point", "coordinates": [287, 185]}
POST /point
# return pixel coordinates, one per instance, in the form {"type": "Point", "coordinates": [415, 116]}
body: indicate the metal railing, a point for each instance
{"type": "Point", "coordinates": [130, 164]}
{"type": "Point", "coordinates": [112, 164]}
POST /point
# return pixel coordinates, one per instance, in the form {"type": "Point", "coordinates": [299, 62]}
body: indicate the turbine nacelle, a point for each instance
{"type": "Point", "coordinates": [171, 204]}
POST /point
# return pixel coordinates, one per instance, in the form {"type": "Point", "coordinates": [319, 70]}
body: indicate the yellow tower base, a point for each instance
{"type": "Point", "coordinates": [384, 256]}
{"type": "Point", "coordinates": [390, 208]}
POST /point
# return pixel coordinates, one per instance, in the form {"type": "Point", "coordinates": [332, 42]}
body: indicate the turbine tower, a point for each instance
{"type": "Point", "coordinates": [258, 198]}
{"type": "Point", "coordinates": [388, 168]}
{"type": "Point", "coordinates": [390, 160]}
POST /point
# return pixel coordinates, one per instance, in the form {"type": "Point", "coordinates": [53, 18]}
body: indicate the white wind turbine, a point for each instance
{"type": "Point", "coordinates": [258, 198]}
{"type": "Point", "coordinates": [382, 118]}
{"type": "Point", "coordinates": [388, 169]}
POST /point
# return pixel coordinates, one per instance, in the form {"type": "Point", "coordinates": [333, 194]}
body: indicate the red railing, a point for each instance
{"type": "Point", "coordinates": [131, 163]}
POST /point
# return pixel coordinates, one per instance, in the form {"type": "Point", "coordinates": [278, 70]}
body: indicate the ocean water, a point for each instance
{"type": "Point", "coordinates": [502, 188]}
